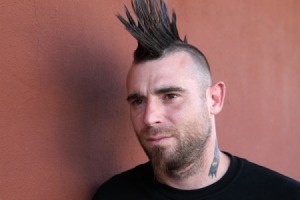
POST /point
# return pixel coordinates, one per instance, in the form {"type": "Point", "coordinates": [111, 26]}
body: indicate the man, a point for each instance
{"type": "Point", "coordinates": [173, 104]}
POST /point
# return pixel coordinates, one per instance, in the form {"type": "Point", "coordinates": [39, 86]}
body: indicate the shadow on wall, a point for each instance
{"type": "Point", "coordinates": [90, 101]}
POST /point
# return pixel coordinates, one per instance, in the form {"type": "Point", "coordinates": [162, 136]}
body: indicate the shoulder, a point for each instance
{"type": "Point", "coordinates": [131, 181]}
{"type": "Point", "coordinates": [261, 173]}
{"type": "Point", "coordinates": [264, 179]}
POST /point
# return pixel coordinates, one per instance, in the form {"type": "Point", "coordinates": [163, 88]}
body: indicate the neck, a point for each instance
{"type": "Point", "coordinates": [205, 171]}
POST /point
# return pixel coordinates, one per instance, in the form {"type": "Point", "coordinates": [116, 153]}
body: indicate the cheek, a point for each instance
{"type": "Point", "coordinates": [178, 112]}
{"type": "Point", "coordinates": [183, 114]}
{"type": "Point", "coordinates": [136, 120]}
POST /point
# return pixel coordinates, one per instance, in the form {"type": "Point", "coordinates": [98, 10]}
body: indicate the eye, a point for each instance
{"type": "Point", "coordinates": [137, 102]}
{"type": "Point", "coordinates": [170, 96]}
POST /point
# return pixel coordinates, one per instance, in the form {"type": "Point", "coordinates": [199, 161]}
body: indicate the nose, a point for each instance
{"type": "Point", "coordinates": [153, 113]}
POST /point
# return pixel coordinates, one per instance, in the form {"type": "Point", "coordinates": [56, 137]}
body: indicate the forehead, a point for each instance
{"type": "Point", "coordinates": [176, 69]}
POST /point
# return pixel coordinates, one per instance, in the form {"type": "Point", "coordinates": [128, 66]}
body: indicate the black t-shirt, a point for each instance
{"type": "Point", "coordinates": [243, 181]}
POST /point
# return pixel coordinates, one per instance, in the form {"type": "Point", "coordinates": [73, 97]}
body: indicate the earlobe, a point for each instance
{"type": "Point", "coordinates": [217, 96]}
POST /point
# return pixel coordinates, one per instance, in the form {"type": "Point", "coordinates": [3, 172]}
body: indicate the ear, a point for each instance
{"type": "Point", "coordinates": [215, 96]}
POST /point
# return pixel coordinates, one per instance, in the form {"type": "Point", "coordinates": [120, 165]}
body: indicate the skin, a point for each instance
{"type": "Point", "coordinates": [173, 118]}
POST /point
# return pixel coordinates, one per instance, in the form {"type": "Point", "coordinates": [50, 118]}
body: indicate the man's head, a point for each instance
{"type": "Point", "coordinates": [171, 111]}
{"type": "Point", "coordinates": [172, 101]}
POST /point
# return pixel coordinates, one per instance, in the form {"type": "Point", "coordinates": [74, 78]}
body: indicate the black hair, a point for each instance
{"type": "Point", "coordinates": [156, 34]}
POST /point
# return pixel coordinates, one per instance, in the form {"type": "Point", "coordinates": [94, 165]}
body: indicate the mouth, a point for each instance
{"type": "Point", "coordinates": [154, 141]}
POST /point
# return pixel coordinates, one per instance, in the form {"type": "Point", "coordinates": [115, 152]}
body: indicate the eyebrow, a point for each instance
{"type": "Point", "coordinates": [162, 90]}
{"type": "Point", "coordinates": [169, 89]}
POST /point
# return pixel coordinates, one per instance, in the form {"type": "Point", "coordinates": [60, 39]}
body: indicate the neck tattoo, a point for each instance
{"type": "Point", "coordinates": [215, 163]}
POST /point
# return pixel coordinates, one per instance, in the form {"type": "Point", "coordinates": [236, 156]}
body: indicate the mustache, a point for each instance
{"type": "Point", "coordinates": [159, 131]}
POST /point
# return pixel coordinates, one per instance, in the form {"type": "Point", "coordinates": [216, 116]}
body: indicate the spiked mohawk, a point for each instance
{"type": "Point", "coordinates": [154, 31]}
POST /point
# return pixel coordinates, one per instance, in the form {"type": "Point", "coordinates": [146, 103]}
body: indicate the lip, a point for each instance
{"type": "Point", "coordinates": [157, 140]}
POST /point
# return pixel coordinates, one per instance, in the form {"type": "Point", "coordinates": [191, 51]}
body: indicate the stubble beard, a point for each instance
{"type": "Point", "coordinates": [186, 156]}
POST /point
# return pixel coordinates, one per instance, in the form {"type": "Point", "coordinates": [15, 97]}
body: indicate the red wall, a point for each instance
{"type": "Point", "coordinates": [64, 126]}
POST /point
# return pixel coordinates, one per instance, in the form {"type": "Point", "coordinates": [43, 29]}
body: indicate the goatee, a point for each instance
{"type": "Point", "coordinates": [185, 154]}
